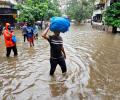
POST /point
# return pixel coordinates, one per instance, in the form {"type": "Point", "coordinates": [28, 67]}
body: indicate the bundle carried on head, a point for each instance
{"type": "Point", "coordinates": [60, 24]}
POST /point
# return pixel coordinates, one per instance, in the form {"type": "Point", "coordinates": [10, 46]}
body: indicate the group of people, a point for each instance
{"type": "Point", "coordinates": [30, 33]}
{"type": "Point", "coordinates": [57, 53]}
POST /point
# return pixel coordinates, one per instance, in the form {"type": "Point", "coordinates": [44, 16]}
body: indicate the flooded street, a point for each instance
{"type": "Point", "coordinates": [93, 64]}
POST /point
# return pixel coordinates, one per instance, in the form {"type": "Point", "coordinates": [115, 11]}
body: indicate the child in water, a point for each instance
{"type": "Point", "coordinates": [30, 34]}
{"type": "Point", "coordinates": [57, 53]}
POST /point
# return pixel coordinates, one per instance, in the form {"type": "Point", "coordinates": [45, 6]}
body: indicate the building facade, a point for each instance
{"type": "Point", "coordinates": [97, 17]}
{"type": "Point", "coordinates": [8, 13]}
{"type": "Point", "coordinates": [97, 13]}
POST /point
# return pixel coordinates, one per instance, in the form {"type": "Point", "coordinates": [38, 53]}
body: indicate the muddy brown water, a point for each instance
{"type": "Point", "coordinates": [93, 63]}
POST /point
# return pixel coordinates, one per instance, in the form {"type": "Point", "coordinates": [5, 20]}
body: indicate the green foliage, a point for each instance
{"type": "Point", "coordinates": [80, 10]}
{"type": "Point", "coordinates": [53, 9]}
{"type": "Point", "coordinates": [33, 10]}
{"type": "Point", "coordinates": [112, 15]}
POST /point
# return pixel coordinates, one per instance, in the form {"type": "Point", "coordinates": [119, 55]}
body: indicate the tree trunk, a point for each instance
{"type": "Point", "coordinates": [114, 29]}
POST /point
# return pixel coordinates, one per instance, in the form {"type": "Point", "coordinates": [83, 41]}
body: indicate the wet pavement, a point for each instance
{"type": "Point", "coordinates": [93, 63]}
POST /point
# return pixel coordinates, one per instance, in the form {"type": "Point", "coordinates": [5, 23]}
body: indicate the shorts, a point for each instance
{"type": "Point", "coordinates": [30, 39]}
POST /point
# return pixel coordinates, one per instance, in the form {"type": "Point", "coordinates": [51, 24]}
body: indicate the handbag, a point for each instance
{"type": "Point", "coordinates": [14, 39]}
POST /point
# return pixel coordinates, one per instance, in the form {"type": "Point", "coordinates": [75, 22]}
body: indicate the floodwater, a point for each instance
{"type": "Point", "coordinates": [93, 63]}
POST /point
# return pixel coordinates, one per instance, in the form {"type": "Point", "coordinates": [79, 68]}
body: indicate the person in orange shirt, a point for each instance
{"type": "Point", "coordinates": [10, 45]}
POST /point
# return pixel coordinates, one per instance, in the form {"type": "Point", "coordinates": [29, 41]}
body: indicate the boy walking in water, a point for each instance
{"type": "Point", "coordinates": [24, 31]}
{"type": "Point", "coordinates": [30, 34]}
{"type": "Point", "coordinates": [57, 53]}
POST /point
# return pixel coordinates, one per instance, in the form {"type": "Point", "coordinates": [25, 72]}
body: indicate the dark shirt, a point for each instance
{"type": "Point", "coordinates": [24, 29]}
{"type": "Point", "coordinates": [56, 44]}
{"type": "Point", "coordinates": [29, 31]}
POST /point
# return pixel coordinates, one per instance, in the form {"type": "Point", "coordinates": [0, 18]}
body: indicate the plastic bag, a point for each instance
{"type": "Point", "coordinates": [14, 39]}
{"type": "Point", "coordinates": [59, 24]}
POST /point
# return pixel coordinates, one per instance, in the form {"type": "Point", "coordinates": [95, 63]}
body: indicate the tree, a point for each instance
{"type": "Point", "coordinates": [33, 10]}
{"type": "Point", "coordinates": [53, 9]}
{"type": "Point", "coordinates": [92, 4]}
{"type": "Point", "coordinates": [112, 16]}
{"type": "Point", "coordinates": [80, 9]}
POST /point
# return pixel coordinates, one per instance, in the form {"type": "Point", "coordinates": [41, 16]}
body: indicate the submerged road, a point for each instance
{"type": "Point", "coordinates": [93, 63]}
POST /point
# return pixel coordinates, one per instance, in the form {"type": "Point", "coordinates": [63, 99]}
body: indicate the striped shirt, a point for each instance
{"type": "Point", "coordinates": [56, 44]}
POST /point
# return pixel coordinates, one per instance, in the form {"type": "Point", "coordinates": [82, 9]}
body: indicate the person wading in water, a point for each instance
{"type": "Point", "coordinates": [57, 53]}
{"type": "Point", "coordinates": [10, 45]}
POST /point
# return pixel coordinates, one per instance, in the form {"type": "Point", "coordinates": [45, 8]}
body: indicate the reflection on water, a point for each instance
{"type": "Point", "coordinates": [57, 89]}
{"type": "Point", "coordinates": [92, 62]}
